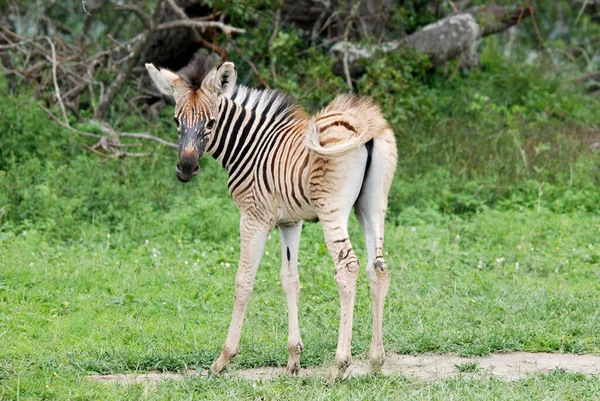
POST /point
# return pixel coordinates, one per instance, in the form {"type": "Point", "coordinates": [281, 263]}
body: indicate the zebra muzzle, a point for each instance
{"type": "Point", "coordinates": [187, 168]}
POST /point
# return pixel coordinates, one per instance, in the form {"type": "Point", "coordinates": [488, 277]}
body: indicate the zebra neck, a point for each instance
{"type": "Point", "coordinates": [233, 132]}
{"type": "Point", "coordinates": [245, 139]}
{"type": "Point", "coordinates": [240, 133]}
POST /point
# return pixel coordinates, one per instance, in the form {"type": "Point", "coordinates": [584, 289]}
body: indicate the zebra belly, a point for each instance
{"type": "Point", "coordinates": [290, 215]}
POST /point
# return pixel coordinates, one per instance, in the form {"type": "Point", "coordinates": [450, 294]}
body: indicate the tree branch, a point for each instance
{"type": "Point", "coordinates": [252, 66]}
{"type": "Point", "coordinates": [346, 34]}
{"type": "Point", "coordinates": [272, 39]}
{"type": "Point", "coordinates": [150, 137]}
{"type": "Point", "coordinates": [203, 25]}
{"type": "Point", "coordinates": [108, 97]}
{"type": "Point", "coordinates": [55, 79]}
{"type": "Point", "coordinates": [137, 11]}
{"type": "Point", "coordinates": [83, 133]}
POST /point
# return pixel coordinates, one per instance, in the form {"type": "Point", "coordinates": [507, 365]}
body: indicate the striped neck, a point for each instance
{"type": "Point", "coordinates": [248, 118]}
{"type": "Point", "coordinates": [247, 130]}
{"type": "Point", "coordinates": [234, 129]}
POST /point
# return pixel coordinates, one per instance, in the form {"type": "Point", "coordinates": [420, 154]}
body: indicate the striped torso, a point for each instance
{"type": "Point", "coordinates": [259, 140]}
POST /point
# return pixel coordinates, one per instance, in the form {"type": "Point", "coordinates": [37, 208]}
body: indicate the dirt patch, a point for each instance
{"type": "Point", "coordinates": [509, 366]}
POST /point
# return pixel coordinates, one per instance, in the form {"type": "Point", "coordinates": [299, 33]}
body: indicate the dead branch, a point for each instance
{"type": "Point", "coordinates": [212, 47]}
{"type": "Point", "coordinates": [272, 39]}
{"type": "Point", "coordinates": [150, 137]}
{"type": "Point", "coordinates": [178, 10]}
{"type": "Point", "coordinates": [147, 22]}
{"type": "Point", "coordinates": [83, 133]}
{"type": "Point", "coordinates": [116, 86]}
{"type": "Point", "coordinates": [252, 66]}
{"type": "Point", "coordinates": [84, 8]}
{"type": "Point", "coordinates": [346, 34]}
{"type": "Point", "coordinates": [55, 79]}
{"type": "Point", "coordinates": [203, 25]}
{"type": "Point", "coordinates": [449, 38]}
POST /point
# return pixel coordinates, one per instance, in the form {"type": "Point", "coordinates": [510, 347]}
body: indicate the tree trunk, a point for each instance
{"type": "Point", "coordinates": [174, 48]}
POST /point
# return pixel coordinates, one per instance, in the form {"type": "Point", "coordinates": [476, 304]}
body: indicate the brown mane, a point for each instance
{"type": "Point", "coordinates": [195, 71]}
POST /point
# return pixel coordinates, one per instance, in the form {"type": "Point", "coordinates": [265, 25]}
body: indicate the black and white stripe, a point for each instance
{"type": "Point", "coordinates": [259, 140]}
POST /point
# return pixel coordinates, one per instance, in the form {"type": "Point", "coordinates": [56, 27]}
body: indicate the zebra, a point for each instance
{"type": "Point", "coordinates": [286, 167]}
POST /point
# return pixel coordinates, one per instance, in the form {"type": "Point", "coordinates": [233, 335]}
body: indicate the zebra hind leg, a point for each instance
{"type": "Point", "coordinates": [337, 192]}
{"type": "Point", "coordinates": [346, 273]}
{"type": "Point", "coordinates": [370, 211]}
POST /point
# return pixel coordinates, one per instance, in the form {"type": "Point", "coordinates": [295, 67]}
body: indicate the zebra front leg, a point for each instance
{"type": "Point", "coordinates": [290, 281]}
{"type": "Point", "coordinates": [253, 236]}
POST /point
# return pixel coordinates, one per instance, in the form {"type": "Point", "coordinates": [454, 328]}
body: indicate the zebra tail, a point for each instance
{"type": "Point", "coordinates": [313, 143]}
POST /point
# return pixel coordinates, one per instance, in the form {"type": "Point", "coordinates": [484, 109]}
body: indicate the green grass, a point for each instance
{"type": "Point", "coordinates": [492, 241]}
{"type": "Point", "coordinates": [556, 386]}
{"type": "Point", "coordinates": [468, 367]}
{"type": "Point", "coordinates": [496, 281]}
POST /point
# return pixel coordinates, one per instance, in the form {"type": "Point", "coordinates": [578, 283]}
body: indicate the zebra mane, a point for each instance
{"type": "Point", "coordinates": [273, 103]}
{"type": "Point", "coordinates": [195, 71]}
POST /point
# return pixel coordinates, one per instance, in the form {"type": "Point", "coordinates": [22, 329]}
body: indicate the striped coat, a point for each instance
{"type": "Point", "coordinates": [285, 167]}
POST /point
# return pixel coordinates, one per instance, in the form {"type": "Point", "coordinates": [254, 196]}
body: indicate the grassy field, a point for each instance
{"type": "Point", "coordinates": [155, 293]}
{"type": "Point", "coordinates": [493, 244]}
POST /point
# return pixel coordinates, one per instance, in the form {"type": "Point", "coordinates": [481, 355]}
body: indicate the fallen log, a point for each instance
{"type": "Point", "coordinates": [447, 39]}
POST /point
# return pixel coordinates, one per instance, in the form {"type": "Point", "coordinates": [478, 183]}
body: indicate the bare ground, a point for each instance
{"type": "Point", "coordinates": [508, 366]}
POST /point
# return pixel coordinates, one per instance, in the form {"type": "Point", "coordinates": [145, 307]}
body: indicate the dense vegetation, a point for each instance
{"type": "Point", "coordinates": [493, 235]}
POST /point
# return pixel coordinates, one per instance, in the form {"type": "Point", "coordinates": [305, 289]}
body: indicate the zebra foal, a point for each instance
{"type": "Point", "coordinates": [284, 167]}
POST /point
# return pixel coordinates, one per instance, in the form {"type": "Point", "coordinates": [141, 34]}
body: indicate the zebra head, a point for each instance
{"type": "Point", "coordinates": [197, 91]}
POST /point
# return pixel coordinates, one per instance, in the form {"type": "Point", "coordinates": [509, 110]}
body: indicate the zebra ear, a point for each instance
{"type": "Point", "coordinates": [164, 80]}
{"type": "Point", "coordinates": [221, 81]}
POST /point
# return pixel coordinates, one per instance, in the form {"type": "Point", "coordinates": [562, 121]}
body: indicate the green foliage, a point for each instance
{"type": "Point", "coordinates": [508, 134]}
{"type": "Point", "coordinates": [413, 15]}
{"type": "Point", "coordinates": [114, 266]}
{"type": "Point", "coordinates": [496, 136]}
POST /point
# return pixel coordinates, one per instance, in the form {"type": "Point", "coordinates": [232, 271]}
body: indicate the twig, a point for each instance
{"type": "Point", "coordinates": [76, 90]}
{"type": "Point", "coordinates": [328, 21]}
{"type": "Point", "coordinates": [346, 34]}
{"type": "Point", "coordinates": [537, 31]}
{"type": "Point", "coordinates": [316, 31]}
{"type": "Point", "coordinates": [93, 149]}
{"type": "Point", "coordinates": [150, 137]}
{"type": "Point", "coordinates": [55, 79]}
{"type": "Point", "coordinates": [16, 44]}
{"type": "Point", "coordinates": [212, 47]}
{"type": "Point", "coordinates": [137, 11]}
{"type": "Point", "coordinates": [178, 10]}
{"type": "Point", "coordinates": [453, 75]}
{"type": "Point", "coordinates": [181, 13]}
{"type": "Point", "coordinates": [133, 154]}
{"type": "Point", "coordinates": [580, 13]}
{"type": "Point", "coordinates": [83, 133]}
{"type": "Point", "coordinates": [85, 9]}
{"type": "Point", "coordinates": [252, 66]}
{"type": "Point", "coordinates": [11, 71]}
{"type": "Point", "coordinates": [271, 40]}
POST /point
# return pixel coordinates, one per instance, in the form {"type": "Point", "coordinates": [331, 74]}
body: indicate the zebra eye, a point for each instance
{"type": "Point", "coordinates": [210, 124]}
{"type": "Point", "coordinates": [177, 123]}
